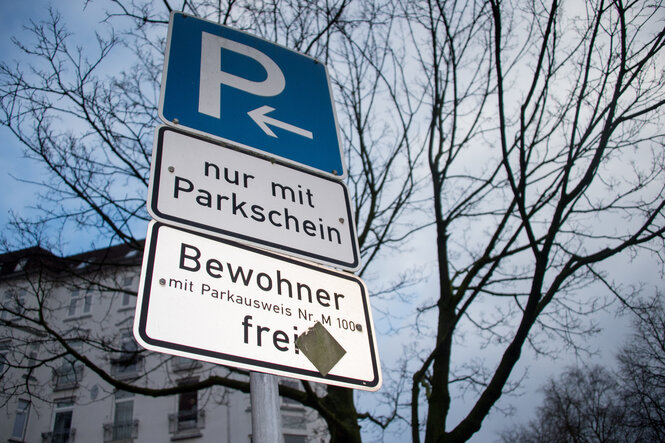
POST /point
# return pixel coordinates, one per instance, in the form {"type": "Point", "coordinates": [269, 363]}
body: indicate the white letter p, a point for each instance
{"type": "Point", "coordinates": [212, 77]}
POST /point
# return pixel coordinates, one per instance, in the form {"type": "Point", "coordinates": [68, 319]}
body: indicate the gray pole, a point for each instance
{"type": "Point", "coordinates": [266, 417]}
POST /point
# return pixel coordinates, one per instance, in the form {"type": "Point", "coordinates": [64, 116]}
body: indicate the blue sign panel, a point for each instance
{"type": "Point", "coordinates": [250, 92]}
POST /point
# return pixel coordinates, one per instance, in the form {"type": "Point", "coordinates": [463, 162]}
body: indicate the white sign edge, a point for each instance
{"type": "Point", "coordinates": [265, 367]}
{"type": "Point", "coordinates": [151, 203]}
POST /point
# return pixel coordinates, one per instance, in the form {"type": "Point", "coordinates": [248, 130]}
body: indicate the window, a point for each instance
{"type": "Point", "coordinates": [4, 350]}
{"type": "Point", "coordinates": [32, 352]}
{"type": "Point", "coordinates": [184, 364]}
{"type": "Point", "coordinates": [293, 413]}
{"type": "Point", "coordinates": [62, 423]}
{"type": "Point", "coordinates": [128, 284]}
{"type": "Point", "coordinates": [288, 402]}
{"type": "Point", "coordinates": [126, 299]}
{"type": "Point", "coordinates": [62, 427]}
{"type": "Point", "coordinates": [13, 303]}
{"type": "Point", "coordinates": [6, 306]}
{"type": "Point", "coordinates": [70, 372]}
{"type": "Point", "coordinates": [21, 264]}
{"type": "Point", "coordinates": [79, 304]}
{"type": "Point", "coordinates": [294, 421]}
{"type": "Point", "coordinates": [21, 419]}
{"type": "Point", "coordinates": [128, 362]}
{"type": "Point", "coordinates": [124, 427]}
{"type": "Point", "coordinates": [289, 438]}
{"type": "Point", "coordinates": [189, 419]}
{"type": "Point", "coordinates": [187, 410]}
{"type": "Point", "coordinates": [124, 413]}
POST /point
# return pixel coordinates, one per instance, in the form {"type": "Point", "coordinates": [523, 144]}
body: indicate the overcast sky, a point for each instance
{"type": "Point", "coordinates": [19, 197]}
{"type": "Point", "coordinates": [13, 20]}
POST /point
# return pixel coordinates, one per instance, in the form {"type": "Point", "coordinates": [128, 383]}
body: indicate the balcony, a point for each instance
{"type": "Point", "coordinates": [122, 432]}
{"type": "Point", "coordinates": [186, 424]}
{"type": "Point", "coordinates": [59, 437]}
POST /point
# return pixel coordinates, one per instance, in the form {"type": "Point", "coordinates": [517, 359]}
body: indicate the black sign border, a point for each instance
{"type": "Point", "coordinates": [152, 203]}
{"type": "Point", "coordinates": [162, 97]}
{"type": "Point", "coordinates": [228, 359]}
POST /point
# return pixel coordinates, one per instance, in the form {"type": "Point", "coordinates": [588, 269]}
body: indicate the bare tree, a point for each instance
{"type": "Point", "coordinates": [597, 404]}
{"type": "Point", "coordinates": [642, 371]}
{"type": "Point", "coordinates": [538, 127]}
{"type": "Point", "coordinates": [580, 405]}
{"type": "Point", "coordinates": [90, 123]}
{"type": "Point", "coordinates": [544, 163]}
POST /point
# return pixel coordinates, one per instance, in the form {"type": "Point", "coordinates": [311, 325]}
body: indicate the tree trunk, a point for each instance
{"type": "Point", "coordinates": [343, 420]}
{"type": "Point", "coordinates": [439, 398]}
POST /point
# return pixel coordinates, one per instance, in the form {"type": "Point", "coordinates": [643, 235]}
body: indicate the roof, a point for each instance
{"type": "Point", "coordinates": [27, 259]}
{"type": "Point", "coordinates": [37, 258]}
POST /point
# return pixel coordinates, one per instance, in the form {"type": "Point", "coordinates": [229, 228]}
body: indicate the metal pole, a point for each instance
{"type": "Point", "coordinates": [266, 417]}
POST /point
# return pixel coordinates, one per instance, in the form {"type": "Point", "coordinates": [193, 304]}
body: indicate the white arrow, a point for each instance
{"type": "Point", "coordinates": [260, 118]}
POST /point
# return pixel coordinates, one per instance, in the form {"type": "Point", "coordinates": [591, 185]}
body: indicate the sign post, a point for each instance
{"type": "Point", "coordinates": [266, 418]}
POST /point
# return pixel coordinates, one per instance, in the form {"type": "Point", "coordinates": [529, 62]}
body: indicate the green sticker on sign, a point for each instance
{"type": "Point", "coordinates": [321, 348]}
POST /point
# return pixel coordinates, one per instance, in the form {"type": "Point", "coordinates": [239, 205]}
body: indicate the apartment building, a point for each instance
{"type": "Point", "coordinates": [55, 307]}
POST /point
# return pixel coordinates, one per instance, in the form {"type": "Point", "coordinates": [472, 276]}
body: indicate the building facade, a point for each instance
{"type": "Point", "coordinates": [67, 350]}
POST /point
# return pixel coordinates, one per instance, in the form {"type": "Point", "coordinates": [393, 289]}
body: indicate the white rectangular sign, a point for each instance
{"type": "Point", "coordinates": [201, 185]}
{"type": "Point", "coordinates": [231, 304]}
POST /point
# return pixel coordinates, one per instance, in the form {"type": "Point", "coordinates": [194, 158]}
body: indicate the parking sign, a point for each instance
{"type": "Point", "coordinates": [251, 93]}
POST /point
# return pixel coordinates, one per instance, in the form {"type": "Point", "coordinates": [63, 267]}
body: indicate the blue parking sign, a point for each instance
{"type": "Point", "coordinates": [251, 93]}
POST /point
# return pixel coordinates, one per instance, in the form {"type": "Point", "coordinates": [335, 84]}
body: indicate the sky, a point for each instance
{"type": "Point", "coordinates": [11, 23]}
{"type": "Point", "coordinates": [643, 268]}
{"type": "Point", "coordinates": [538, 369]}
{"type": "Point", "coordinates": [17, 171]}
{"type": "Point", "coordinates": [20, 173]}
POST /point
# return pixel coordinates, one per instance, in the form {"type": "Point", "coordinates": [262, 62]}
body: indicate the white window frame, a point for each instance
{"type": "Point", "coordinates": [80, 304]}
{"type": "Point", "coordinates": [63, 406]}
{"type": "Point", "coordinates": [22, 414]}
{"type": "Point", "coordinates": [128, 284]}
{"type": "Point", "coordinates": [5, 346]}
{"type": "Point", "coordinates": [130, 428]}
{"type": "Point", "coordinates": [14, 297]}
{"type": "Point", "coordinates": [130, 346]}
{"type": "Point", "coordinates": [70, 367]}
